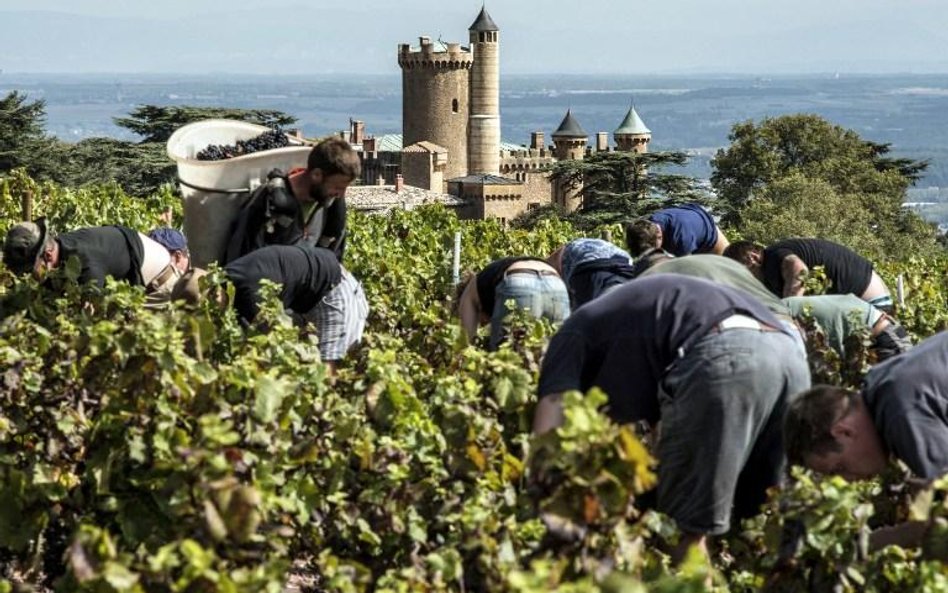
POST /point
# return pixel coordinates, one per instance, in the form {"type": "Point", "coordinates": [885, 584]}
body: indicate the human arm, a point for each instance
{"type": "Point", "coordinates": [469, 309]}
{"type": "Point", "coordinates": [792, 270]}
{"type": "Point", "coordinates": [334, 231]}
{"type": "Point", "coordinates": [549, 413]}
{"type": "Point", "coordinates": [561, 371]}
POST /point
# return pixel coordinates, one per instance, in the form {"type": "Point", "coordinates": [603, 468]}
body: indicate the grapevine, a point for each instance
{"type": "Point", "coordinates": [172, 451]}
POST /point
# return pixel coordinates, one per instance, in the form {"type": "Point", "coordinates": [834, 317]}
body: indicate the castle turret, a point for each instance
{"type": "Point", "coordinates": [569, 143]}
{"type": "Point", "coordinates": [632, 135]}
{"type": "Point", "coordinates": [569, 140]}
{"type": "Point", "coordinates": [484, 126]}
{"type": "Point", "coordinates": [435, 98]}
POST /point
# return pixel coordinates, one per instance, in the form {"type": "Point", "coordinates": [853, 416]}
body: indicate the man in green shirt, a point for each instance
{"type": "Point", "coordinates": [721, 270]}
{"type": "Point", "coordinates": [841, 315]}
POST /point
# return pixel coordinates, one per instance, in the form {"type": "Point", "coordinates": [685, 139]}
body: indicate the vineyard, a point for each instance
{"type": "Point", "coordinates": [174, 452]}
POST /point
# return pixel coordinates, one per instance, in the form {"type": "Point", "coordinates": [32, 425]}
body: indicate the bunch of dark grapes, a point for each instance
{"type": "Point", "coordinates": [265, 141]}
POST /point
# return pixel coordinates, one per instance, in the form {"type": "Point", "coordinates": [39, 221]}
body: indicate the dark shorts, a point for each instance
{"type": "Point", "coordinates": [721, 442]}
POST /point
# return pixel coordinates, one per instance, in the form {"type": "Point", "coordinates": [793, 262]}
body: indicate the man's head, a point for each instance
{"type": "Point", "coordinates": [829, 429]}
{"type": "Point", "coordinates": [331, 167]}
{"type": "Point", "coordinates": [642, 235]}
{"type": "Point", "coordinates": [748, 253]}
{"type": "Point", "coordinates": [176, 244]}
{"type": "Point", "coordinates": [29, 248]}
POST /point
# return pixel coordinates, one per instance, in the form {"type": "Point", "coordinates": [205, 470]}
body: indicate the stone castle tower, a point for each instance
{"type": "Point", "coordinates": [451, 131]}
{"type": "Point", "coordinates": [451, 97]}
{"type": "Point", "coordinates": [436, 98]}
{"type": "Point", "coordinates": [569, 143]}
{"type": "Point", "coordinates": [632, 135]}
{"type": "Point", "coordinates": [484, 127]}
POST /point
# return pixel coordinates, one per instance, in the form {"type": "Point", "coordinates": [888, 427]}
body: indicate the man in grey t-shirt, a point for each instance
{"type": "Point", "coordinates": [712, 363]}
{"type": "Point", "coordinates": [901, 411]}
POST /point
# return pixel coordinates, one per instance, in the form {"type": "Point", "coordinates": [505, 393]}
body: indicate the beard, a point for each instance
{"type": "Point", "coordinates": [317, 193]}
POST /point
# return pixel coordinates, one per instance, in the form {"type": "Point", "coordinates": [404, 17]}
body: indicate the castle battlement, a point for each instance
{"type": "Point", "coordinates": [528, 157]}
{"type": "Point", "coordinates": [434, 54]}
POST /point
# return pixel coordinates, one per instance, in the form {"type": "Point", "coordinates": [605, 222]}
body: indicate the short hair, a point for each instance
{"type": "Point", "coordinates": [640, 235]}
{"type": "Point", "coordinates": [810, 417]}
{"type": "Point", "coordinates": [334, 156]}
{"type": "Point", "coordinates": [741, 250]}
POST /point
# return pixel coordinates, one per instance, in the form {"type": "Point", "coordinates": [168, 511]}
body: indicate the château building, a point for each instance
{"type": "Point", "coordinates": [451, 141]}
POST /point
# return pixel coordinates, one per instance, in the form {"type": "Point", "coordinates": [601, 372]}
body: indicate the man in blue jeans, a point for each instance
{"type": "Point", "coordinates": [708, 361]}
{"type": "Point", "coordinates": [530, 282]}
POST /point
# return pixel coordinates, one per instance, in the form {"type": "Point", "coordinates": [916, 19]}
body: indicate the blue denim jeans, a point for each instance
{"type": "Point", "coordinates": [722, 410]}
{"type": "Point", "coordinates": [543, 296]}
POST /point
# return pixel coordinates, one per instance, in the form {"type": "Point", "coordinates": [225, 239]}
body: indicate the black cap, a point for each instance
{"type": "Point", "coordinates": [24, 244]}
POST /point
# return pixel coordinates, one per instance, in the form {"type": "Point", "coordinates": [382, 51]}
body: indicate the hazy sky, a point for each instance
{"type": "Point", "coordinates": [537, 36]}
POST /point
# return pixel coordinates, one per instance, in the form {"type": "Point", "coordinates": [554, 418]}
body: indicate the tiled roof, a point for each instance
{"type": "Point", "coordinates": [570, 128]}
{"type": "Point", "coordinates": [380, 198]}
{"type": "Point", "coordinates": [483, 22]}
{"type": "Point", "coordinates": [485, 179]}
{"type": "Point", "coordinates": [632, 124]}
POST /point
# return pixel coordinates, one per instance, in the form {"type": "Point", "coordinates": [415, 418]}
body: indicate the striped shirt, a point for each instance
{"type": "Point", "coordinates": [340, 318]}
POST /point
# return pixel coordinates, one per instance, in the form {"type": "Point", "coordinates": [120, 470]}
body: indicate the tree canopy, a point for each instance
{"type": "Point", "coordinates": [620, 185]}
{"type": "Point", "coordinates": [800, 175]}
{"type": "Point", "coordinates": [23, 140]}
{"type": "Point", "coordinates": [809, 145]}
{"type": "Point", "coordinates": [156, 123]}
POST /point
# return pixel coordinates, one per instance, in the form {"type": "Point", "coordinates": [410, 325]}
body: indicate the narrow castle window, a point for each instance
{"type": "Point", "coordinates": [454, 105]}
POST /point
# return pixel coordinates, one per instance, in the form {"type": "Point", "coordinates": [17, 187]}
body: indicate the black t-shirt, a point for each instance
{"type": "Point", "coordinates": [593, 278]}
{"type": "Point", "coordinates": [907, 397]}
{"type": "Point", "coordinates": [252, 229]}
{"type": "Point", "coordinates": [114, 251]}
{"type": "Point", "coordinates": [491, 275]}
{"type": "Point", "coordinates": [625, 341]}
{"type": "Point", "coordinates": [849, 272]}
{"type": "Point", "coordinates": [306, 274]}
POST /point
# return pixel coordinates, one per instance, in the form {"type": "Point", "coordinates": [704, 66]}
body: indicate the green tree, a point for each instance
{"type": "Point", "coordinates": [799, 175]}
{"type": "Point", "coordinates": [23, 142]}
{"type": "Point", "coordinates": [810, 145]}
{"type": "Point", "coordinates": [139, 168]}
{"type": "Point", "coordinates": [156, 123]}
{"type": "Point", "coordinates": [620, 185]}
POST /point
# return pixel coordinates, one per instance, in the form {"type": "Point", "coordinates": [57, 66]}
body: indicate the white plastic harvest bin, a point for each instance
{"type": "Point", "coordinates": [214, 191]}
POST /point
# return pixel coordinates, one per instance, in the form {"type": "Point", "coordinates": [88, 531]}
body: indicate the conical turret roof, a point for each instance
{"type": "Point", "coordinates": [570, 128]}
{"type": "Point", "coordinates": [483, 22]}
{"type": "Point", "coordinates": [632, 124]}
